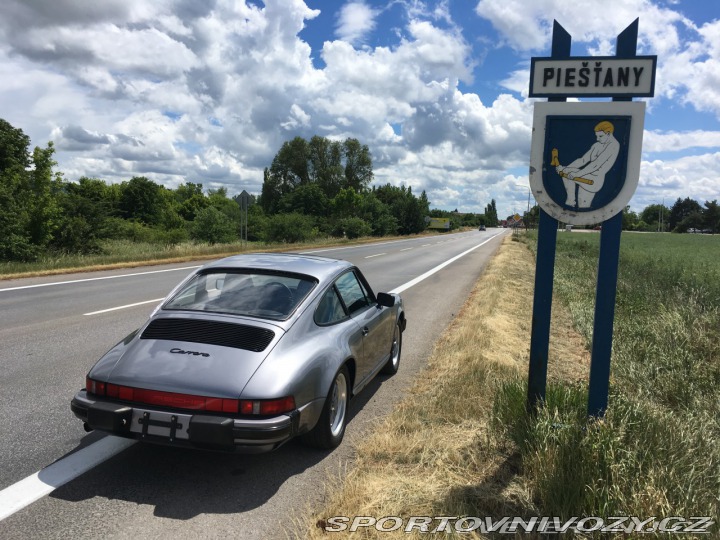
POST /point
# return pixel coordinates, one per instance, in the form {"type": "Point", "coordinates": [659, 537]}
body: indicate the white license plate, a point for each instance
{"type": "Point", "coordinates": [160, 424]}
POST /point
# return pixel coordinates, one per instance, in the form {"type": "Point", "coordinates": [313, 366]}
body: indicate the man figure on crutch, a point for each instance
{"type": "Point", "coordinates": [585, 176]}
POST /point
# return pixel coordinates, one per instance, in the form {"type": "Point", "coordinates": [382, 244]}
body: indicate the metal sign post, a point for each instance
{"type": "Point", "coordinates": [544, 270]}
{"type": "Point", "coordinates": [244, 202]}
{"type": "Point", "coordinates": [584, 169]}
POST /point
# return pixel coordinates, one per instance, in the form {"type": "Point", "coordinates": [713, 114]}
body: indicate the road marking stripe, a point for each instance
{"type": "Point", "coordinates": [377, 255]}
{"type": "Point", "coordinates": [429, 273]}
{"type": "Point", "coordinates": [406, 249]}
{"type": "Point", "coordinates": [45, 481]}
{"type": "Point", "coordinates": [96, 278]}
{"type": "Point", "coordinates": [371, 245]}
{"type": "Point", "coordinates": [25, 492]}
{"type": "Point", "coordinates": [123, 307]}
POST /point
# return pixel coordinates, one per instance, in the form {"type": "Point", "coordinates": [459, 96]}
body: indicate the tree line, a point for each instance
{"type": "Point", "coordinates": [312, 188]}
{"type": "Point", "coordinates": [685, 215]}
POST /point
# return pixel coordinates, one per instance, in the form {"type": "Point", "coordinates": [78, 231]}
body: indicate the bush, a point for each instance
{"type": "Point", "coordinates": [352, 228]}
{"type": "Point", "coordinates": [76, 236]}
{"type": "Point", "coordinates": [213, 226]}
{"type": "Point", "coordinates": [289, 228]}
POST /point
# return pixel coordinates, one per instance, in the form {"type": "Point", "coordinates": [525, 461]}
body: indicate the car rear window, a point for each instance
{"type": "Point", "coordinates": [257, 294]}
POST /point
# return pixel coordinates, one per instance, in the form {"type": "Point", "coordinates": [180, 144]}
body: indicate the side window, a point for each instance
{"type": "Point", "coordinates": [352, 292]}
{"type": "Point", "coordinates": [330, 309]}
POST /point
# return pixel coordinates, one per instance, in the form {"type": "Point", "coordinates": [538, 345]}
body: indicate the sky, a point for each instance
{"type": "Point", "coordinates": [207, 91]}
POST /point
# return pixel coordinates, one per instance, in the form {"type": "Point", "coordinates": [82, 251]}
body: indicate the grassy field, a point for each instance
{"type": "Point", "coordinates": [657, 452]}
{"type": "Point", "coordinates": [125, 253]}
{"type": "Point", "coordinates": [461, 443]}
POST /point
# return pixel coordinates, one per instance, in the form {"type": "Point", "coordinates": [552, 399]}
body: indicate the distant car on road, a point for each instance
{"type": "Point", "coordinates": [481, 228]}
{"type": "Point", "coordinates": [247, 353]}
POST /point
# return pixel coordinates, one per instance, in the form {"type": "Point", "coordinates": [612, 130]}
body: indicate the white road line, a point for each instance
{"type": "Point", "coordinates": [406, 249]}
{"type": "Point", "coordinates": [429, 273]}
{"type": "Point", "coordinates": [123, 307]}
{"type": "Point", "coordinates": [27, 491]}
{"type": "Point", "coordinates": [45, 481]}
{"type": "Point", "coordinates": [426, 245]}
{"type": "Point", "coordinates": [97, 278]}
{"type": "Point", "coordinates": [377, 255]}
{"type": "Point", "coordinates": [369, 245]}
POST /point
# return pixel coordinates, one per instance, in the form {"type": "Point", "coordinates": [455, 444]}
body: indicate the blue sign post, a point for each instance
{"type": "Point", "coordinates": [584, 168]}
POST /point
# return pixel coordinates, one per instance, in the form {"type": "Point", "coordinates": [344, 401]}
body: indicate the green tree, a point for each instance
{"type": "Point", "coordinates": [29, 213]}
{"type": "Point", "coordinates": [352, 227]}
{"type": "Point", "coordinates": [629, 219]}
{"type": "Point", "coordinates": [653, 214]}
{"type": "Point", "coordinates": [219, 199]}
{"type": "Point", "coordinates": [289, 228]}
{"type": "Point", "coordinates": [681, 210]}
{"type": "Point", "coordinates": [711, 216]}
{"type": "Point", "coordinates": [213, 227]}
{"type": "Point", "coordinates": [14, 145]}
{"type": "Point", "coordinates": [378, 215]}
{"type": "Point", "coordinates": [346, 204]}
{"type": "Point", "coordinates": [141, 200]}
{"type": "Point", "coordinates": [190, 200]}
{"type": "Point", "coordinates": [288, 171]}
{"type": "Point", "coordinates": [358, 165]}
{"type": "Point", "coordinates": [491, 216]}
{"type": "Point", "coordinates": [325, 165]}
{"type": "Point", "coordinates": [408, 210]}
{"type": "Point", "coordinates": [532, 218]}
{"type": "Point", "coordinates": [328, 164]}
{"type": "Point", "coordinates": [86, 206]}
{"type": "Point", "coordinates": [308, 199]}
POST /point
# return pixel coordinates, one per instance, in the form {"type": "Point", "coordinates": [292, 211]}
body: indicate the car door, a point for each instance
{"type": "Point", "coordinates": [380, 322]}
{"type": "Point", "coordinates": [372, 319]}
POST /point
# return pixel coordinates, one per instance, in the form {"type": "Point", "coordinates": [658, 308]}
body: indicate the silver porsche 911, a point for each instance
{"type": "Point", "coordinates": [246, 353]}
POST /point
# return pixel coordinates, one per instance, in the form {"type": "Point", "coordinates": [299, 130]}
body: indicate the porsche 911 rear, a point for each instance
{"type": "Point", "coordinates": [186, 420]}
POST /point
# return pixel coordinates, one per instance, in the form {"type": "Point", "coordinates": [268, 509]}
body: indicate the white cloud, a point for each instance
{"type": "Point", "coordinates": [355, 21]}
{"type": "Point", "coordinates": [208, 91]}
{"type": "Point", "coordinates": [658, 141]}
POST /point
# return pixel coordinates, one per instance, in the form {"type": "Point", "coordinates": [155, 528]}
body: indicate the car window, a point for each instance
{"type": "Point", "coordinates": [260, 294]}
{"type": "Point", "coordinates": [352, 292]}
{"type": "Point", "coordinates": [330, 310]}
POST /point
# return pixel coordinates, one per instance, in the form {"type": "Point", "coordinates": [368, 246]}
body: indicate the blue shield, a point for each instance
{"type": "Point", "coordinates": [599, 159]}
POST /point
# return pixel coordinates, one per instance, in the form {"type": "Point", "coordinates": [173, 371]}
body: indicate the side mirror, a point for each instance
{"type": "Point", "coordinates": [385, 299]}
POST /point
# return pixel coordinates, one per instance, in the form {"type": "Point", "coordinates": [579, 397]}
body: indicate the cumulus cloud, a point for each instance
{"type": "Point", "coordinates": [355, 21]}
{"type": "Point", "coordinates": [207, 92]}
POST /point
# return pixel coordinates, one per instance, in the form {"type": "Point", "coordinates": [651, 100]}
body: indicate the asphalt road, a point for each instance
{"type": "Point", "coordinates": [52, 330]}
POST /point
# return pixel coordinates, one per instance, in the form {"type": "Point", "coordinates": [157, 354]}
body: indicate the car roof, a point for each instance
{"type": "Point", "coordinates": [321, 268]}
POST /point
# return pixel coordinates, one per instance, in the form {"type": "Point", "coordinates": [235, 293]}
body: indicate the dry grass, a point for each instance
{"type": "Point", "coordinates": [436, 455]}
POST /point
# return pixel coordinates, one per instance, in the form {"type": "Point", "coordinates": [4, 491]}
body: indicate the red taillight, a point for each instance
{"type": "Point", "coordinates": [267, 406]}
{"type": "Point", "coordinates": [95, 387]}
{"type": "Point", "coordinates": [163, 399]}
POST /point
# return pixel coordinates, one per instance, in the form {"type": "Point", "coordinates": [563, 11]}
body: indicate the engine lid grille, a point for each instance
{"type": "Point", "coordinates": [238, 336]}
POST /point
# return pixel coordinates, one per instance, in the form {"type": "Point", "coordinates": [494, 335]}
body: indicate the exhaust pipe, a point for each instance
{"type": "Point", "coordinates": [87, 427]}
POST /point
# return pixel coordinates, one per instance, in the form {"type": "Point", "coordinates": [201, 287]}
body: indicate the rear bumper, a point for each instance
{"type": "Point", "coordinates": [182, 428]}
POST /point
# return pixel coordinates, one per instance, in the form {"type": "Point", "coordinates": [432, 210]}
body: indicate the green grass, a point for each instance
{"type": "Point", "coordinates": [657, 450]}
{"type": "Point", "coordinates": [127, 253]}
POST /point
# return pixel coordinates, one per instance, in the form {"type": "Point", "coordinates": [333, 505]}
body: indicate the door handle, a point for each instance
{"type": "Point", "coordinates": [365, 331]}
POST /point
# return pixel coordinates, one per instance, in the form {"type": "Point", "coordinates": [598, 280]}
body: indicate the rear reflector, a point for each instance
{"type": "Point", "coordinates": [267, 406]}
{"type": "Point", "coordinates": [162, 399]}
{"type": "Point", "coordinates": [188, 401]}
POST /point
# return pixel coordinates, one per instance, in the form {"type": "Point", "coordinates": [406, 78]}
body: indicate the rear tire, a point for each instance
{"type": "Point", "coordinates": [393, 362]}
{"type": "Point", "coordinates": [329, 431]}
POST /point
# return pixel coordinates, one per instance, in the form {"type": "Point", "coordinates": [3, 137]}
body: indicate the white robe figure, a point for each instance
{"type": "Point", "coordinates": [587, 173]}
